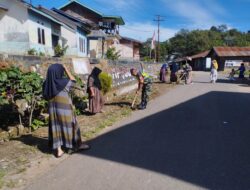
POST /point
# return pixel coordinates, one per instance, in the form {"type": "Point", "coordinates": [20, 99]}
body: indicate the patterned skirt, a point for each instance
{"type": "Point", "coordinates": [63, 127]}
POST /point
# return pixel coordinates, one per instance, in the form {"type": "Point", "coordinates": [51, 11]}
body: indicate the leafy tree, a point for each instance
{"type": "Point", "coordinates": [112, 54]}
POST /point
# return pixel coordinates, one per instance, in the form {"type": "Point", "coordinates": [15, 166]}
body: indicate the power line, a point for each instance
{"type": "Point", "coordinates": [158, 19]}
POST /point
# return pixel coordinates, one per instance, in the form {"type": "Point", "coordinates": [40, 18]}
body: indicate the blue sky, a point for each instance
{"type": "Point", "coordinates": [187, 14]}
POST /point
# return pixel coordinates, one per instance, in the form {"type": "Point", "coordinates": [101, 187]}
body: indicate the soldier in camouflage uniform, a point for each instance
{"type": "Point", "coordinates": [144, 84]}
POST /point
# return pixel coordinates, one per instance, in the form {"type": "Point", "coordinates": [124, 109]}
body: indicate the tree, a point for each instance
{"type": "Point", "coordinates": [112, 54]}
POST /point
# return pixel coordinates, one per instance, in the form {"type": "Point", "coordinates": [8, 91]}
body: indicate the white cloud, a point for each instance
{"type": "Point", "coordinates": [201, 14]}
{"type": "Point", "coordinates": [143, 31]}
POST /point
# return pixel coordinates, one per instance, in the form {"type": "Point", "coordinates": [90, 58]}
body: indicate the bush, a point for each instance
{"type": "Point", "coordinates": [23, 91]}
{"type": "Point", "coordinates": [32, 51]}
{"type": "Point", "coordinates": [106, 82]}
{"type": "Point", "coordinates": [60, 51]}
{"type": "Point", "coordinates": [112, 54]}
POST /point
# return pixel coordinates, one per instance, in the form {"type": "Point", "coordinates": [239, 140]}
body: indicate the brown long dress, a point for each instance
{"type": "Point", "coordinates": [96, 102]}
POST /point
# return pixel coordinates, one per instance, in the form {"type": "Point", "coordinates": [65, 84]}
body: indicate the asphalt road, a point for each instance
{"type": "Point", "coordinates": [193, 137]}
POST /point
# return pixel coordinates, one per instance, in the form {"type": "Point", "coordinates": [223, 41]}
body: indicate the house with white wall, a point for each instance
{"type": "Point", "coordinates": [73, 34]}
{"type": "Point", "coordinates": [24, 27]}
{"type": "Point", "coordinates": [129, 48]}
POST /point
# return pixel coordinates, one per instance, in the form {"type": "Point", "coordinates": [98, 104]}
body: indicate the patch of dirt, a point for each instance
{"type": "Point", "coordinates": [25, 158]}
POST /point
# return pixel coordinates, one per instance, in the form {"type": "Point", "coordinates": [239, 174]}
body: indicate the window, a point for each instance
{"type": "Point", "coordinates": [41, 36]}
{"type": "Point", "coordinates": [82, 45]}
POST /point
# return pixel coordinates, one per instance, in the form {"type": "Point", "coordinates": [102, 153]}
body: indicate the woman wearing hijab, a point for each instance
{"type": "Point", "coordinates": [63, 127]}
{"type": "Point", "coordinates": [163, 72]}
{"type": "Point", "coordinates": [242, 70]}
{"type": "Point", "coordinates": [94, 91]}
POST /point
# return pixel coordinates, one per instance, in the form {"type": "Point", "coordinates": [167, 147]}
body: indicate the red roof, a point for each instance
{"type": "Point", "coordinates": [232, 51]}
{"type": "Point", "coordinates": [200, 55]}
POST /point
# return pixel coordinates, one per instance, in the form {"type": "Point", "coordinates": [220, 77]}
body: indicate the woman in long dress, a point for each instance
{"type": "Point", "coordinates": [63, 127]}
{"type": "Point", "coordinates": [94, 91]}
{"type": "Point", "coordinates": [214, 72]}
{"type": "Point", "coordinates": [163, 72]}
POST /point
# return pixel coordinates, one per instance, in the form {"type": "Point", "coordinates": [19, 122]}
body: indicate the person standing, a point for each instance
{"type": "Point", "coordinates": [174, 69]}
{"type": "Point", "coordinates": [94, 91]}
{"type": "Point", "coordinates": [214, 72]}
{"type": "Point", "coordinates": [63, 127]}
{"type": "Point", "coordinates": [163, 73]}
{"type": "Point", "coordinates": [242, 70]}
{"type": "Point", "coordinates": [144, 85]}
{"type": "Point", "coordinates": [188, 73]}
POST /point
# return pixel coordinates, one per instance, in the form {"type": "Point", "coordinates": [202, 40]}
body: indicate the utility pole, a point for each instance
{"type": "Point", "coordinates": [158, 19]}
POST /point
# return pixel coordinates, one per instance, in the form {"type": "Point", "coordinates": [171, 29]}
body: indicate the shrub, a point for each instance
{"type": "Point", "coordinates": [32, 51]}
{"type": "Point", "coordinates": [106, 82]}
{"type": "Point", "coordinates": [41, 54]}
{"type": "Point", "coordinates": [22, 90]}
{"type": "Point", "coordinates": [60, 51]}
{"type": "Point", "coordinates": [112, 54]}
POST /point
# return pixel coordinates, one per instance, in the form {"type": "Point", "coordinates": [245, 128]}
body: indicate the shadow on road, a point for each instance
{"type": "Point", "coordinates": [237, 81]}
{"type": "Point", "coordinates": [120, 104]}
{"type": "Point", "coordinates": [204, 141]}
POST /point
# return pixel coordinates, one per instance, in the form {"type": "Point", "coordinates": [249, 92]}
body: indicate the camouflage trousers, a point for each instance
{"type": "Point", "coordinates": [146, 91]}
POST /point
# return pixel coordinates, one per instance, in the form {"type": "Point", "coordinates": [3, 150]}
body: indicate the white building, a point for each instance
{"type": "Point", "coordinates": [24, 27]}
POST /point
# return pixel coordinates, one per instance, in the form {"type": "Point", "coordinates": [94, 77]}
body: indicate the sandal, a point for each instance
{"type": "Point", "coordinates": [59, 156]}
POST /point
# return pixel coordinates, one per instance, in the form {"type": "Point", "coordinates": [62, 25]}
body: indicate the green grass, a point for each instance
{"type": "Point", "coordinates": [109, 121]}
{"type": "Point", "coordinates": [2, 174]}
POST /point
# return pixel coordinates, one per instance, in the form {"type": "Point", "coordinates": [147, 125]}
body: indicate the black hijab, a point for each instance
{"type": "Point", "coordinates": [55, 82]}
{"type": "Point", "coordinates": [95, 75]}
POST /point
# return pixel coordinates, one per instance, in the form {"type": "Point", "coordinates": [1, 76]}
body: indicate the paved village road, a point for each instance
{"type": "Point", "coordinates": [193, 137]}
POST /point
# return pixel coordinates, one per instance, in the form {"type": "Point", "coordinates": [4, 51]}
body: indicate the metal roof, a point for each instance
{"type": "Point", "coordinates": [200, 55]}
{"type": "Point", "coordinates": [81, 20]}
{"type": "Point", "coordinates": [118, 19]}
{"type": "Point", "coordinates": [232, 51]}
{"type": "Point", "coordinates": [64, 20]}
{"type": "Point", "coordinates": [81, 4]}
{"type": "Point", "coordinates": [3, 8]}
{"type": "Point", "coordinates": [36, 10]}
{"type": "Point", "coordinates": [131, 39]}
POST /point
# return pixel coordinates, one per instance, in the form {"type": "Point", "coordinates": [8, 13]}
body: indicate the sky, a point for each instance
{"type": "Point", "coordinates": [139, 15]}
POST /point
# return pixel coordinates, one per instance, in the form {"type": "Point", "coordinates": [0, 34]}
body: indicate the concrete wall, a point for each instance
{"type": "Point", "coordinates": [36, 21]}
{"type": "Point", "coordinates": [14, 34]}
{"type": "Point", "coordinates": [126, 50]}
{"type": "Point", "coordinates": [71, 41]}
{"type": "Point", "coordinates": [119, 70]}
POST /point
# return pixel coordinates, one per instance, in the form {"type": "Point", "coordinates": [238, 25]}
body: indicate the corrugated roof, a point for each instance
{"type": "Point", "coordinates": [3, 8]}
{"type": "Point", "coordinates": [118, 19]}
{"type": "Point", "coordinates": [232, 51]}
{"type": "Point", "coordinates": [81, 4]}
{"type": "Point", "coordinates": [36, 10]}
{"type": "Point", "coordinates": [66, 21]}
{"type": "Point", "coordinates": [71, 17]}
{"type": "Point", "coordinates": [200, 55]}
{"type": "Point", "coordinates": [131, 39]}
